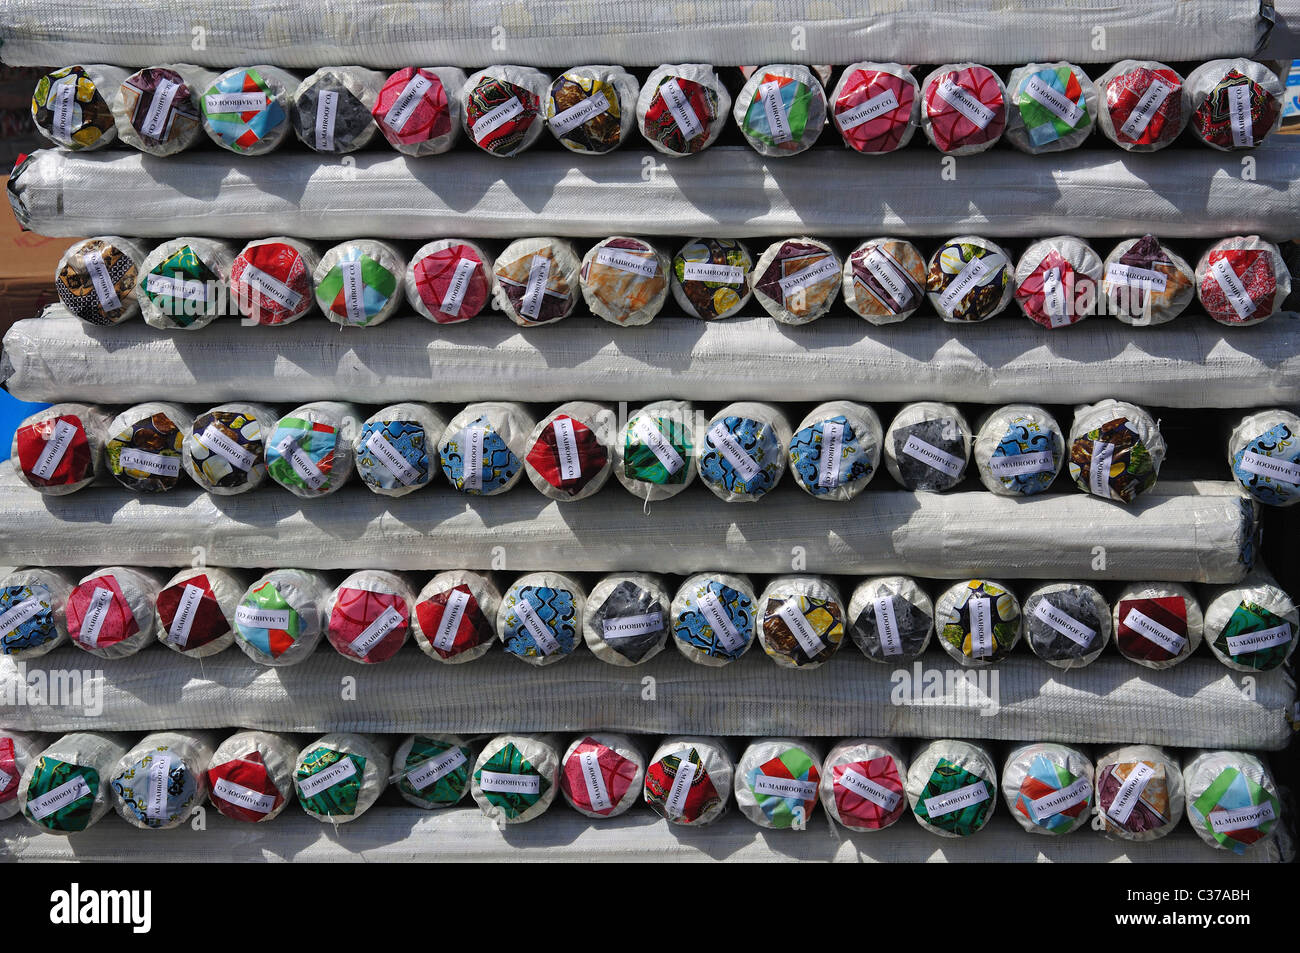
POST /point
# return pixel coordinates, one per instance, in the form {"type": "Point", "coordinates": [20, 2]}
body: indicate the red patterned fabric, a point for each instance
{"type": "Point", "coordinates": [1125, 91]}
{"type": "Point", "coordinates": [433, 276]}
{"type": "Point", "coordinates": [75, 463]}
{"type": "Point", "coordinates": [616, 771]}
{"type": "Point", "coordinates": [354, 611]}
{"type": "Point", "coordinates": [884, 132]}
{"type": "Point", "coordinates": [544, 456]}
{"type": "Point", "coordinates": [119, 621]}
{"type": "Point", "coordinates": [207, 623]}
{"type": "Point", "coordinates": [1255, 269]}
{"type": "Point", "coordinates": [247, 772]}
{"type": "Point", "coordinates": [473, 629]}
{"type": "Point", "coordinates": [950, 128]}
{"type": "Point", "coordinates": [429, 119]}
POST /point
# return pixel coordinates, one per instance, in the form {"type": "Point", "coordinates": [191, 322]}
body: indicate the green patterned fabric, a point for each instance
{"type": "Point", "coordinates": [51, 774]}
{"type": "Point", "coordinates": [184, 266]}
{"type": "Point", "coordinates": [445, 790]}
{"type": "Point", "coordinates": [640, 462]}
{"type": "Point", "coordinates": [510, 760]}
{"type": "Point", "coordinates": [1247, 618]}
{"type": "Point", "coordinates": [945, 779]}
{"type": "Point", "coordinates": [340, 798]}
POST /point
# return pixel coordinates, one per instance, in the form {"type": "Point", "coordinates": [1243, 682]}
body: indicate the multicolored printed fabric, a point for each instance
{"type": "Point", "coordinates": [77, 290]}
{"type": "Point", "coordinates": [620, 291]}
{"type": "Point", "coordinates": [510, 760]}
{"type": "Point", "coordinates": [76, 120]}
{"type": "Point", "coordinates": [50, 775]}
{"type": "Point", "coordinates": [490, 93]}
{"type": "Point", "coordinates": [714, 299]}
{"type": "Point", "coordinates": [554, 608]}
{"type": "Point", "coordinates": [159, 437]}
{"type": "Point", "coordinates": [1131, 470]}
{"type": "Point", "coordinates": [240, 429]}
{"type": "Point", "coordinates": [1169, 612]}
{"type": "Point", "coordinates": [641, 463]}
{"type": "Point", "coordinates": [603, 131]}
{"type": "Point", "coordinates": [434, 274]}
{"type": "Point", "coordinates": [409, 440]}
{"type": "Point", "coordinates": [9, 771]}
{"type": "Point", "coordinates": [72, 467]}
{"type": "Point", "coordinates": [956, 627]}
{"type": "Point", "coordinates": [340, 798]}
{"type": "Point", "coordinates": [1213, 119]}
{"type": "Point", "coordinates": [473, 629]}
{"type": "Point", "coordinates": [1026, 435]}
{"type": "Point", "coordinates": [796, 101]}
{"type": "Point", "coordinates": [315, 439]}
{"type": "Point", "coordinates": [948, 778]}
{"type": "Point", "coordinates": [111, 614]}
{"type": "Point", "coordinates": [1234, 791]}
{"type": "Point", "coordinates": [429, 118]}
{"type": "Point", "coordinates": [271, 642]}
{"type": "Point", "coordinates": [355, 610]}
{"type": "Point", "coordinates": [206, 620]}
{"type": "Point", "coordinates": [951, 127]}
{"type": "Point", "coordinates": [139, 94]}
{"type": "Point", "coordinates": [544, 456]}
{"type": "Point", "coordinates": [1150, 812]}
{"type": "Point", "coordinates": [378, 285]}
{"type": "Point", "coordinates": [757, 440]}
{"type": "Point", "coordinates": [34, 629]}
{"type": "Point", "coordinates": [179, 794]}
{"type": "Point", "coordinates": [864, 812]}
{"type": "Point", "coordinates": [1046, 777]}
{"type": "Point", "coordinates": [282, 263]}
{"type": "Point", "coordinates": [985, 294]}
{"type": "Point", "coordinates": [1140, 298]}
{"type": "Point", "coordinates": [1044, 125]}
{"type": "Point", "coordinates": [247, 772]}
{"type": "Point", "coordinates": [1127, 90]}
{"type": "Point", "coordinates": [824, 617]}
{"type": "Point", "coordinates": [242, 131]}
{"type": "Point", "coordinates": [806, 455]}
{"type": "Point", "coordinates": [557, 296]}
{"type": "Point", "coordinates": [660, 126]}
{"type": "Point", "coordinates": [1250, 617]}
{"type": "Point", "coordinates": [701, 797]}
{"type": "Point", "coordinates": [883, 132]}
{"type": "Point", "coordinates": [187, 271]}
{"type": "Point", "coordinates": [805, 299]}
{"type": "Point", "coordinates": [499, 464]}
{"type": "Point", "coordinates": [1277, 442]}
{"type": "Point", "coordinates": [616, 773]}
{"type": "Point", "coordinates": [786, 811]}
{"type": "Point", "coordinates": [442, 783]}
{"type": "Point", "coordinates": [904, 265]}
{"type": "Point", "coordinates": [694, 629]}
{"type": "Point", "coordinates": [1254, 269]}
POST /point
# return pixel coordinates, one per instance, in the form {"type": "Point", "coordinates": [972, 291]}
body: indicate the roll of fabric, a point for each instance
{"type": "Point", "coordinates": [570, 451]}
{"type": "Point", "coordinates": [185, 283]}
{"type": "Point", "coordinates": [65, 789]}
{"type": "Point", "coordinates": [1058, 281]}
{"type": "Point", "coordinates": [143, 445]}
{"type": "Point", "coordinates": [1252, 626]}
{"type": "Point", "coordinates": [96, 279]}
{"type": "Point", "coordinates": [978, 621]}
{"type": "Point", "coordinates": [1115, 450]}
{"type": "Point", "coordinates": [1264, 454]}
{"type": "Point", "coordinates": [160, 782]}
{"type": "Point", "coordinates": [876, 107]}
{"type": "Point", "coordinates": [246, 109]}
{"type": "Point", "coordinates": [33, 613]}
{"type": "Point", "coordinates": [157, 108]}
{"type": "Point", "coordinates": [483, 448]}
{"type": "Point", "coordinates": [1053, 107]}
{"type": "Point", "coordinates": [970, 279]}
{"type": "Point", "coordinates": [395, 448]}
{"type": "Point", "coordinates": [742, 455]}
{"type": "Point", "coordinates": [862, 784]}
{"type": "Point", "coordinates": [515, 777]}
{"type": "Point", "coordinates": [927, 447]}
{"type": "Point", "coordinates": [18, 750]}
{"type": "Point", "coordinates": [251, 776]}
{"type": "Point", "coordinates": [455, 616]}
{"type": "Point", "coordinates": [884, 280]}
{"type": "Point", "coordinates": [626, 618]}
{"type": "Point", "coordinates": [1235, 103]}
{"type": "Point", "coordinates": [802, 621]}
{"type": "Point", "coordinates": [368, 616]}
{"type": "Point", "coordinates": [1067, 624]}
{"type": "Point", "coordinates": [359, 283]}
{"type": "Point", "coordinates": [309, 452]}
{"type": "Point", "coordinates": [271, 280]}
{"type": "Point", "coordinates": [711, 277]}
{"type": "Point", "coordinates": [110, 612]}
{"type": "Point", "coordinates": [1157, 624]}
{"type": "Point", "coordinates": [432, 771]}
{"type": "Point", "coordinates": [1048, 788]}
{"type": "Point", "coordinates": [1019, 450]}
{"type": "Point", "coordinates": [655, 453]}
{"type": "Point", "coordinates": [449, 280]}
{"type": "Point", "coordinates": [1232, 801]}
{"type": "Point", "coordinates": [73, 106]}
{"type": "Point", "coordinates": [591, 109]}
{"type": "Point", "coordinates": [951, 786]}
{"type": "Point", "coordinates": [713, 617]}
{"type": "Point", "coordinates": [418, 109]}
{"type": "Point", "coordinates": [688, 780]}
{"type": "Point", "coordinates": [682, 108]}
{"type": "Point", "coordinates": [339, 776]}
{"type": "Point", "coordinates": [797, 280]}
{"type": "Point", "coordinates": [891, 619]}
{"type": "Point", "coordinates": [781, 110]}
{"type": "Point", "coordinates": [540, 618]}
{"type": "Point", "coordinates": [536, 281]}
{"type": "Point", "coordinates": [1139, 792]}
{"type": "Point", "coordinates": [503, 108]}
{"type": "Point", "coordinates": [1242, 280]}
{"type": "Point", "coordinates": [330, 109]}
{"type": "Point", "coordinates": [1146, 283]}
{"type": "Point", "coordinates": [602, 775]}
{"type": "Point", "coordinates": [224, 450]}
{"type": "Point", "coordinates": [625, 280]}
{"type": "Point", "coordinates": [58, 450]}
{"type": "Point", "coordinates": [963, 108]}
{"type": "Point", "coordinates": [281, 616]}
{"type": "Point", "coordinates": [194, 612]}
{"type": "Point", "coordinates": [836, 450]}
{"type": "Point", "coordinates": [776, 782]}
{"type": "Point", "coordinates": [1144, 105]}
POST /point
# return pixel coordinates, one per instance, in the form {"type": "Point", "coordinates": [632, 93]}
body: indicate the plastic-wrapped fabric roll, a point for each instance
{"type": "Point", "coordinates": [963, 108]}
{"type": "Point", "coordinates": [970, 279]}
{"type": "Point", "coordinates": [876, 107]}
{"type": "Point", "coordinates": [449, 280]}
{"type": "Point", "coordinates": [368, 616]}
{"type": "Point", "coordinates": [682, 108]}
{"type": "Point", "coordinates": [158, 783]}
{"type": "Point", "coordinates": [927, 447]}
{"type": "Point", "coordinates": [836, 450]}
{"type": "Point", "coordinates": [802, 621]}
{"type": "Point", "coordinates": [250, 777]}
{"type": "Point", "coordinates": [688, 780]}
{"type": "Point", "coordinates": [1048, 788]}
{"type": "Point", "coordinates": [418, 109]}
{"type": "Point", "coordinates": [483, 448]}
{"type": "Point", "coordinates": [655, 453]}
{"type": "Point", "coordinates": [65, 789]}
{"type": "Point", "coordinates": [591, 109]}
{"type": "Point", "coordinates": [625, 280]}
{"type": "Point", "coordinates": [142, 447]}
{"type": "Point", "coordinates": [602, 774]}
{"type": "Point", "coordinates": [776, 782]}
{"type": "Point", "coordinates": [309, 452]}
{"type": "Point", "coordinates": [224, 450]}
{"type": "Point", "coordinates": [185, 283]}
{"type": "Point", "coordinates": [1115, 450]}
{"type": "Point", "coordinates": [713, 617]}
{"type": "Point", "coordinates": [157, 108]}
{"type": "Point", "coordinates": [797, 280]}
{"type": "Point", "coordinates": [1139, 792]}
{"type": "Point", "coordinates": [73, 106]}
{"type": "Point", "coordinates": [891, 619]}
{"type": "Point", "coordinates": [1264, 454]}
{"type": "Point", "coordinates": [359, 283]}
{"type": "Point", "coordinates": [503, 108]}
{"type": "Point", "coordinates": [570, 452]}
{"type": "Point", "coordinates": [1236, 103]}
{"type": "Point", "coordinates": [455, 616]}
{"type": "Point", "coordinates": [1067, 624]}
{"type": "Point", "coordinates": [626, 618]}
{"type": "Point", "coordinates": [246, 109]}
{"type": "Point", "coordinates": [1053, 107]}
{"type": "Point", "coordinates": [515, 777]}
{"type": "Point", "coordinates": [271, 280]}
{"type": "Point", "coordinates": [110, 612]}
{"type": "Point", "coordinates": [281, 616]}
{"type": "Point", "coordinates": [977, 621]}
{"type": "Point", "coordinates": [781, 110]}
{"type": "Point", "coordinates": [1241, 281]}
{"type": "Point", "coordinates": [1058, 281]}
{"type": "Point", "coordinates": [18, 749]}
{"type": "Point", "coordinates": [536, 281]}
{"type": "Point", "coordinates": [392, 448]}
{"type": "Point", "coordinates": [1232, 802]}
{"type": "Point", "coordinates": [884, 280]}
{"type": "Point", "coordinates": [33, 613]}
{"type": "Point", "coordinates": [711, 277]}
{"type": "Point", "coordinates": [58, 450]}
{"type": "Point", "coordinates": [1144, 105]}
{"type": "Point", "coordinates": [96, 279]}
{"type": "Point", "coordinates": [743, 453]}
{"type": "Point", "coordinates": [330, 109]}
{"type": "Point", "coordinates": [952, 787]}
{"type": "Point", "coordinates": [1157, 624]}
{"type": "Point", "coordinates": [540, 618]}
{"type": "Point", "coordinates": [194, 612]}
{"type": "Point", "coordinates": [862, 784]}
{"type": "Point", "coordinates": [1145, 283]}
{"type": "Point", "coordinates": [1252, 626]}
{"type": "Point", "coordinates": [1019, 450]}
{"type": "Point", "coordinates": [432, 771]}
{"type": "Point", "coordinates": [339, 776]}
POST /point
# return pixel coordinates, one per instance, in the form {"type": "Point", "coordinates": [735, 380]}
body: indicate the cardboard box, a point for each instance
{"type": "Point", "coordinates": [27, 263]}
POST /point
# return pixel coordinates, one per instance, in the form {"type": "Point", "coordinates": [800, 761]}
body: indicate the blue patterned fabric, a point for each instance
{"type": "Point", "coordinates": [806, 456]}
{"type": "Point", "coordinates": [556, 610]}
{"type": "Point", "coordinates": [499, 464]}
{"type": "Point", "coordinates": [1025, 436]}
{"type": "Point", "coordinates": [692, 626]}
{"type": "Point", "coordinates": [759, 440]}
{"type": "Point", "coordinates": [1279, 443]}
{"type": "Point", "coordinates": [38, 629]}
{"type": "Point", "coordinates": [407, 438]}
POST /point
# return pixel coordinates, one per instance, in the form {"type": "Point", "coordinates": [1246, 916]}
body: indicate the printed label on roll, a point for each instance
{"type": "Point", "coordinates": [1233, 289]}
{"type": "Point", "coordinates": [1126, 798]}
{"type": "Point", "coordinates": [679, 106]}
{"type": "Point", "coordinates": [324, 780]}
{"type": "Point", "coordinates": [1239, 116]}
{"type": "Point", "coordinates": [887, 626]}
{"type": "Point", "coordinates": [382, 449]}
{"type": "Point", "coordinates": [884, 270]}
{"type": "Point", "coordinates": [708, 271]}
{"type": "Point", "coordinates": [877, 105]}
{"type": "Point", "coordinates": [1053, 100]}
{"type": "Point", "coordinates": [65, 97]}
{"type": "Point", "coordinates": [1052, 804]}
{"type": "Point", "coordinates": [627, 260]}
{"type": "Point", "coordinates": [503, 783]}
{"type": "Point", "coordinates": [146, 462]}
{"type": "Point", "coordinates": [241, 796]}
{"type": "Point", "coordinates": [234, 102]}
{"type": "Point", "coordinates": [628, 626]}
{"type": "Point", "coordinates": [769, 786]}
{"type": "Point", "coordinates": [653, 439]}
{"type": "Point", "coordinates": [1099, 468]}
{"type": "Point", "coordinates": [981, 627]}
{"type": "Point", "coordinates": [179, 631]}
{"type": "Point", "coordinates": [538, 629]}
{"type": "Point", "coordinates": [971, 274]}
{"type": "Point", "coordinates": [1067, 625]}
{"type": "Point", "coordinates": [375, 632]}
{"type": "Point", "coordinates": [178, 286]}
{"type": "Point", "coordinates": [1238, 644]}
{"type": "Point", "coordinates": [720, 622]}
{"type": "Point", "coordinates": [92, 620]}
{"type": "Point", "coordinates": [497, 116]}
{"type": "Point", "coordinates": [160, 106]}
{"type": "Point", "coordinates": [435, 769]}
{"type": "Point", "coordinates": [1138, 120]}
{"type": "Point", "coordinates": [66, 793]}
{"type": "Point", "coordinates": [449, 625]}
{"type": "Point", "coordinates": [1242, 818]}
{"type": "Point", "coordinates": [675, 803]}
{"type": "Point", "coordinates": [827, 267]}
{"type": "Point", "coordinates": [566, 448]}
{"type": "Point", "coordinates": [797, 623]}
{"type": "Point", "coordinates": [156, 787]}
{"type": "Point", "coordinates": [778, 120]}
{"type": "Point", "coordinates": [1147, 279]}
{"type": "Point", "coordinates": [872, 791]}
{"type": "Point", "coordinates": [404, 106]}
{"type": "Point", "coordinates": [54, 450]}
{"type": "Point", "coordinates": [597, 794]}
{"type": "Point", "coordinates": [101, 281]}
{"type": "Point", "coordinates": [931, 455]}
{"type": "Point", "coordinates": [353, 291]}
{"type": "Point", "coordinates": [960, 99]}
{"type": "Point", "coordinates": [1261, 465]}
{"type": "Point", "coordinates": [255, 618]}
{"type": "Point", "coordinates": [456, 288]}
{"type": "Point", "coordinates": [539, 273]}
{"type": "Point", "coordinates": [17, 615]}
{"type": "Point", "coordinates": [215, 440]}
{"type": "Point", "coordinates": [1020, 464]}
{"type": "Point", "coordinates": [828, 466]}
{"type": "Point", "coordinates": [473, 472]}
{"type": "Point", "coordinates": [594, 105]}
{"type": "Point", "coordinates": [272, 288]}
{"type": "Point", "coordinates": [1054, 298]}
{"type": "Point", "coordinates": [734, 454]}
{"type": "Point", "coordinates": [301, 461]}
{"type": "Point", "coordinates": [970, 795]}
{"type": "Point", "coordinates": [1153, 631]}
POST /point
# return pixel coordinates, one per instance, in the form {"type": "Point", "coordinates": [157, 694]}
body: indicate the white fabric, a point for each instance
{"type": "Point", "coordinates": [1201, 771]}
{"type": "Point", "coordinates": [227, 588]}
{"type": "Point", "coordinates": [542, 753]}
{"type": "Point", "coordinates": [140, 590]}
{"type": "Point", "coordinates": [1018, 85]}
{"type": "Point", "coordinates": [486, 595]}
{"type": "Point", "coordinates": [622, 745]}
{"type": "Point", "coordinates": [1161, 590]}
{"type": "Point", "coordinates": [969, 757]}
{"type": "Point", "coordinates": [1261, 590]}
{"type": "Point", "coordinates": [189, 752]}
{"type": "Point", "coordinates": [778, 606]}
{"type": "Point", "coordinates": [305, 592]}
{"type": "Point", "coordinates": [758, 753]}
{"type": "Point", "coordinates": [1015, 768]}
{"type": "Point", "coordinates": [1004, 422]}
{"type": "Point", "coordinates": [593, 620]}
{"type": "Point", "coordinates": [52, 587]}
{"type": "Point", "coordinates": [377, 751]}
{"type": "Point", "coordinates": [217, 255]}
{"type": "Point", "coordinates": [85, 749]}
{"type": "Point", "coordinates": [1153, 757]}
{"type": "Point", "coordinates": [276, 752]}
{"type": "Point", "coordinates": [601, 420]}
